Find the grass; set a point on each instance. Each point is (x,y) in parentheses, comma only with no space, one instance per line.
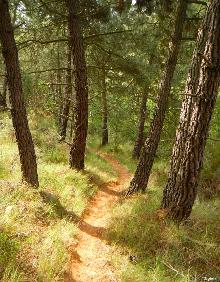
(121,152)
(148,248)
(38,226)
(162,251)
(210,184)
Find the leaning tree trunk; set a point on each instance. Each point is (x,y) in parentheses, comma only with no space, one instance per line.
(18,111)
(197,109)
(77,151)
(142,173)
(104,110)
(140,134)
(67,96)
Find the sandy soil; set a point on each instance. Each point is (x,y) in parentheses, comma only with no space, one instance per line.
(89,257)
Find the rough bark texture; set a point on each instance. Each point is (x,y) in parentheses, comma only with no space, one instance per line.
(141,177)
(3,100)
(67,96)
(140,133)
(72,121)
(197,108)
(77,151)
(18,112)
(104,110)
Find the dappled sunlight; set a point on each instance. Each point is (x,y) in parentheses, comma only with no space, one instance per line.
(109,141)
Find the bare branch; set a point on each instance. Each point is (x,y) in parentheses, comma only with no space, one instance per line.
(47,70)
(62,140)
(172,268)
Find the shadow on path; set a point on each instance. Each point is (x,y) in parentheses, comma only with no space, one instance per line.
(62,213)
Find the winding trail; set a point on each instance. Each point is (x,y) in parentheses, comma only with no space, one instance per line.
(89,257)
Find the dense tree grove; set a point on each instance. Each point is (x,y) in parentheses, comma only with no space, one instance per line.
(89,38)
(136,79)
(80,48)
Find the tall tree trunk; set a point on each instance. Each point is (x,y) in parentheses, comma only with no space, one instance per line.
(19,116)
(140,134)
(59,98)
(67,96)
(3,98)
(141,177)
(197,109)
(72,120)
(77,151)
(104,110)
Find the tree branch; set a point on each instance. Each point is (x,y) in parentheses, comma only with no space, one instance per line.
(107,33)
(66,39)
(40,42)
(51,10)
(47,70)
(197,2)
(213,139)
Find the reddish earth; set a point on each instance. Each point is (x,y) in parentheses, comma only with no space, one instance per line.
(89,258)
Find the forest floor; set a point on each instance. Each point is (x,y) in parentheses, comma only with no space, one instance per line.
(89,258)
(77,224)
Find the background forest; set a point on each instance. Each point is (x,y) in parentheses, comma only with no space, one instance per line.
(103,94)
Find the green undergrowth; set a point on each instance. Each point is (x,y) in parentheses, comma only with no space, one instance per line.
(38,226)
(148,248)
(122,152)
(210,178)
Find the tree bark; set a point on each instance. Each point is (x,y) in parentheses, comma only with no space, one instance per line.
(67,96)
(59,98)
(77,151)
(141,177)
(3,98)
(104,110)
(197,109)
(140,134)
(19,116)
(72,121)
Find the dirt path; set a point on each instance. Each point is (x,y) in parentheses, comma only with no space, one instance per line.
(89,258)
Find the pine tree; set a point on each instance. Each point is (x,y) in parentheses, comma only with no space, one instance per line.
(142,173)
(197,109)
(77,151)
(18,111)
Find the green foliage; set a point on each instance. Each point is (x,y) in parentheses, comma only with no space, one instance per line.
(8,250)
(99,170)
(4,173)
(56,239)
(56,155)
(149,249)
(37,225)
(42,224)
(210,178)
